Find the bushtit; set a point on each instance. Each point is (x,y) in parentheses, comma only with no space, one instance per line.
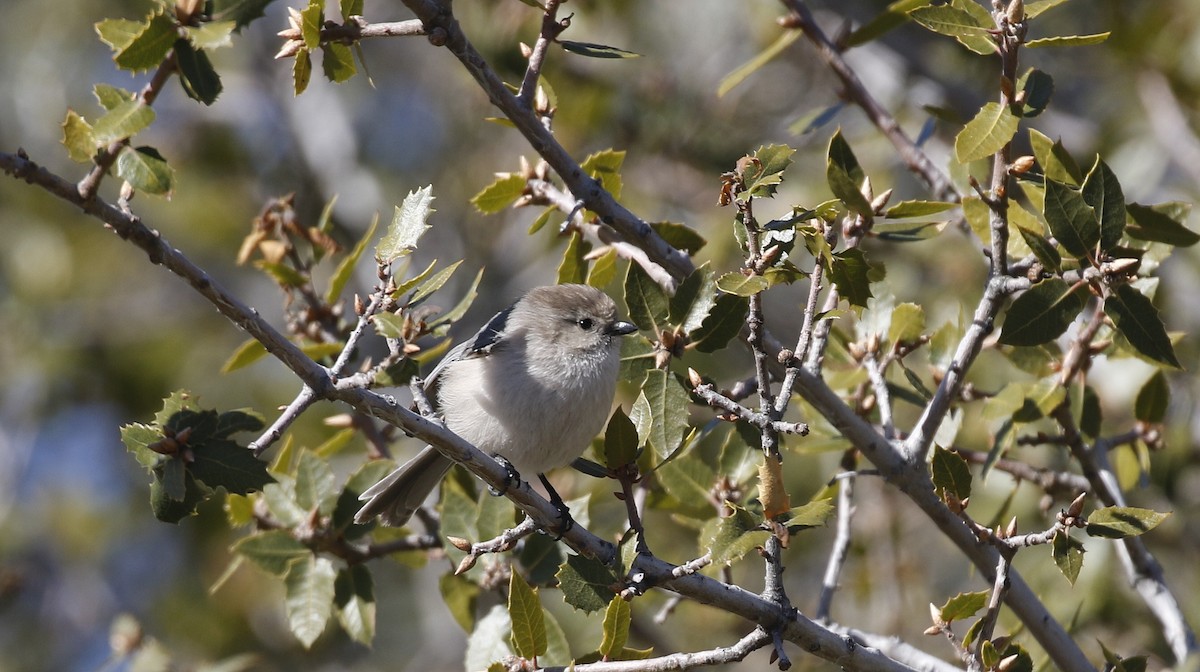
(533,387)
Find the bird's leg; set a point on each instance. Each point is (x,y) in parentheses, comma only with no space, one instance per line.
(564,514)
(511,478)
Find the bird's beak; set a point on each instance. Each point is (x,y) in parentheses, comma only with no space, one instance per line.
(621,328)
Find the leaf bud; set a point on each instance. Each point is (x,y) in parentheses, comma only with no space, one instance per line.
(459,543)
(1021,165)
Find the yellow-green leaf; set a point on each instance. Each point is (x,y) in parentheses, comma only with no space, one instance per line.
(750,67)
(991,129)
(499,194)
(1068,40)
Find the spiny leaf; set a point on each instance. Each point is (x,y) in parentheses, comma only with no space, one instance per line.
(852,274)
(951,475)
(740,284)
(693,300)
(1069,40)
(196,73)
(144,50)
(499,194)
(409,223)
(123,121)
(963,605)
(668,410)
(78,138)
(615,628)
(723,323)
(1119,522)
(731,537)
(211,35)
(648,304)
(586,583)
(991,129)
(845,177)
(573,267)
(301,72)
(337,62)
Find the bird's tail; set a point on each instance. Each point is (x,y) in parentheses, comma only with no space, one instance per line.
(400,493)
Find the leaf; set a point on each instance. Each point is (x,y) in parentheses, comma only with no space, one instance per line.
(1046,253)
(620,440)
(694,300)
(1137,319)
(345,268)
(1042,313)
(668,401)
(211,35)
(732,537)
(604,269)
(118,33)
(350,8)
(1153,399)
(1161,223)
(813,514)
(1034,8)
(301,71)
(852,274)
(1069,40)
(146,49)
(409,223)
(615,628)
(464,304)
(951,474)
(739,284)
(145,170)
(337,62)
(605,167)
(1068,555)
(1119,522)
(241,12)
(272,551)
(354,597)
(460,595)
(957,23)
(525,612)
(246,354)
(908,323)
(573,267)
(963,605)
(123,121)
(499,194)
(314,483)
(680,236)
(238,420)
(1072,221)
(722,324)
(895,15)
(991,129)
(689,481)
(111,96)
(171,510)
(432,284)
(845,177)
(225,464)
(1102,191)
(596,50)
(586,583)
(196,73)
(647,302)
(309,601)
(906,209)
(815,119)
(488,643)
(1038,88)
(1057,164)
(743,71)
(78,138)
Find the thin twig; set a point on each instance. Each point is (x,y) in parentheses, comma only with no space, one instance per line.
(757,639)
(353,30)
(551,29)
(841,543)
(719,401)
(883,399)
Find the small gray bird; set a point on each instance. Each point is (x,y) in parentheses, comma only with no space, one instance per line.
(533,387)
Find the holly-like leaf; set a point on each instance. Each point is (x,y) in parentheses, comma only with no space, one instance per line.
(272,551)
(1161,223)
(1119,522)
(314,483)
(693,300)
(144,50)
(605,167)
(123,121)
(223,463)
(908,323)
(845,177)
(238,420)
(525,613)
(648,304)
(668,400)
(680,236)
(310,593)
(852,274)
(730,538)
(1137,319)
(78,138)
(615,628)
(1043,313)
(594,50)
(1072,221)
(1069,40)
(1068,555)
(241,12)
(146,170)
(409,223)
(991,129)
(586,583)
(740,284)
(173,508)
(301,71)
(350,8)
(951,474)
(211,35)
(574,266)
(813,514)
(196,73)
(722,324)
(963,605)
(337,62)
(499,194)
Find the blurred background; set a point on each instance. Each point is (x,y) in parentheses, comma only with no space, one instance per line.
(93,337)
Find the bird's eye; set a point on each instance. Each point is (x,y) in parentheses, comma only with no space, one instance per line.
(586,323)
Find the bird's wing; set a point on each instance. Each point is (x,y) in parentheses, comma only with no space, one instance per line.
(479,345)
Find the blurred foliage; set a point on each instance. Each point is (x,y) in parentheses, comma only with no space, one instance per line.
(95,337)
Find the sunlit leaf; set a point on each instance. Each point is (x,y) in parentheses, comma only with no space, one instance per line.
(730,538)
(754,64)
(1068,555)
(123,121)
(354,596)
(991,129)
(146,170)
(78,138)
(845,177)
(409,223)
(309,602)
(1069,40)
(963,605)
(951,474)
(499,194)
(586,583)
(525,613)
(1119,522)
(1042,313)
(1102,191)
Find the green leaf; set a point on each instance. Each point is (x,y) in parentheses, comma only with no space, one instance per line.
(314,483)
(605,167)
(119,33)
(170,510)
(1034,8)
(488,643)
(196,73)
(895,15)
(78,138)
(145,170)
(723,323)
(730,538)
(620,440)
(499,194)
(991,129)
(173,476)
(455,314)
(852,274)
(958,23)
(246,354)
(748,68)
(241,12)
(596,50)
(573,267)
(668,401)
(354,596)
(434,283)
(615,628)
(1042,313)
(648,304)
(460,595)
(310,593)
(282,273)
(689,480)
(951,474)
(123,121)
(311,18)
(146,49)
(1057,164)
(1068,555)
(813,514)
(1038,88)
(908,323)
(525,612)
(272,551)
(338,62)
(694,300)
(238,420)
(1069,40)
(1162,223)
(845,176)
(301,71)
(211,35)
(1072,221)
(409,223)
(907,209)
(739,284)
(1102,191)
(138,438)
(224,463)
(345,268)
(680,236)
(604,269)
(586,583)
(1119,522)
(1137,319)
(1153,399)
(963,605)
(1046,253)
(350,8)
